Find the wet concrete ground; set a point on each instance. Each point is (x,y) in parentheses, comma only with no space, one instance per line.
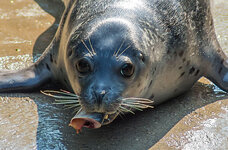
(195,120)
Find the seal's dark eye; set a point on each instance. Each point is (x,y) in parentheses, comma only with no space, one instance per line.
(83,66)
(127,70)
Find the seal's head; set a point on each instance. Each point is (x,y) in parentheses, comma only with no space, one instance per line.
(106,68)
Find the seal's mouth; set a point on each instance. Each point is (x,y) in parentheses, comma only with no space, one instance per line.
(90,120)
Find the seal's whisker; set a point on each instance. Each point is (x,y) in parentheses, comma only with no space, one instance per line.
(116,52)
(64,97)
(137,105)
(124,51)
(137,102)
(76,110)
(140,100)
(65,103)
(65,100)
(69,100)
(125,109)
(59,92)
(67,96)
(120,113)
(91,46)
(136,108)
(71,106)
(87,47)
(67,93)
(134,103)
(136,98)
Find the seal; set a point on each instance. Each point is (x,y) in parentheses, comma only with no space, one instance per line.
(118,55)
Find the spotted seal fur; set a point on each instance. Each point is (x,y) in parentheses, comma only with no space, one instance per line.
(107,51)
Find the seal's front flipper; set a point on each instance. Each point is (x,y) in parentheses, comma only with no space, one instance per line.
(32,77)
(220,75)
(216,68)
(24,80)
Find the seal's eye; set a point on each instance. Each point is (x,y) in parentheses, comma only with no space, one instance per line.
(127,70)
(84,66)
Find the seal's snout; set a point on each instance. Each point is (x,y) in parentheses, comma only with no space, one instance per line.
(99,96)
(88,120)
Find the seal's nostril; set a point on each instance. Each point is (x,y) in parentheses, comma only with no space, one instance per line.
(100,98)
(99,95)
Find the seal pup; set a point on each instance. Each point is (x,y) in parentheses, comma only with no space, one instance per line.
(116,55)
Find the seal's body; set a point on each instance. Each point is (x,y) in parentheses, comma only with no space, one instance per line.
(107,51)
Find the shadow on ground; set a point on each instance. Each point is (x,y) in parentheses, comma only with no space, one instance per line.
(139,131)
(54,8)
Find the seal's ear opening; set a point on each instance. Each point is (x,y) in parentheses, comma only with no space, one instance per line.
(87,120)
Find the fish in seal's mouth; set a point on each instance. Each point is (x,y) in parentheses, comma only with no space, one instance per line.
(90,120)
